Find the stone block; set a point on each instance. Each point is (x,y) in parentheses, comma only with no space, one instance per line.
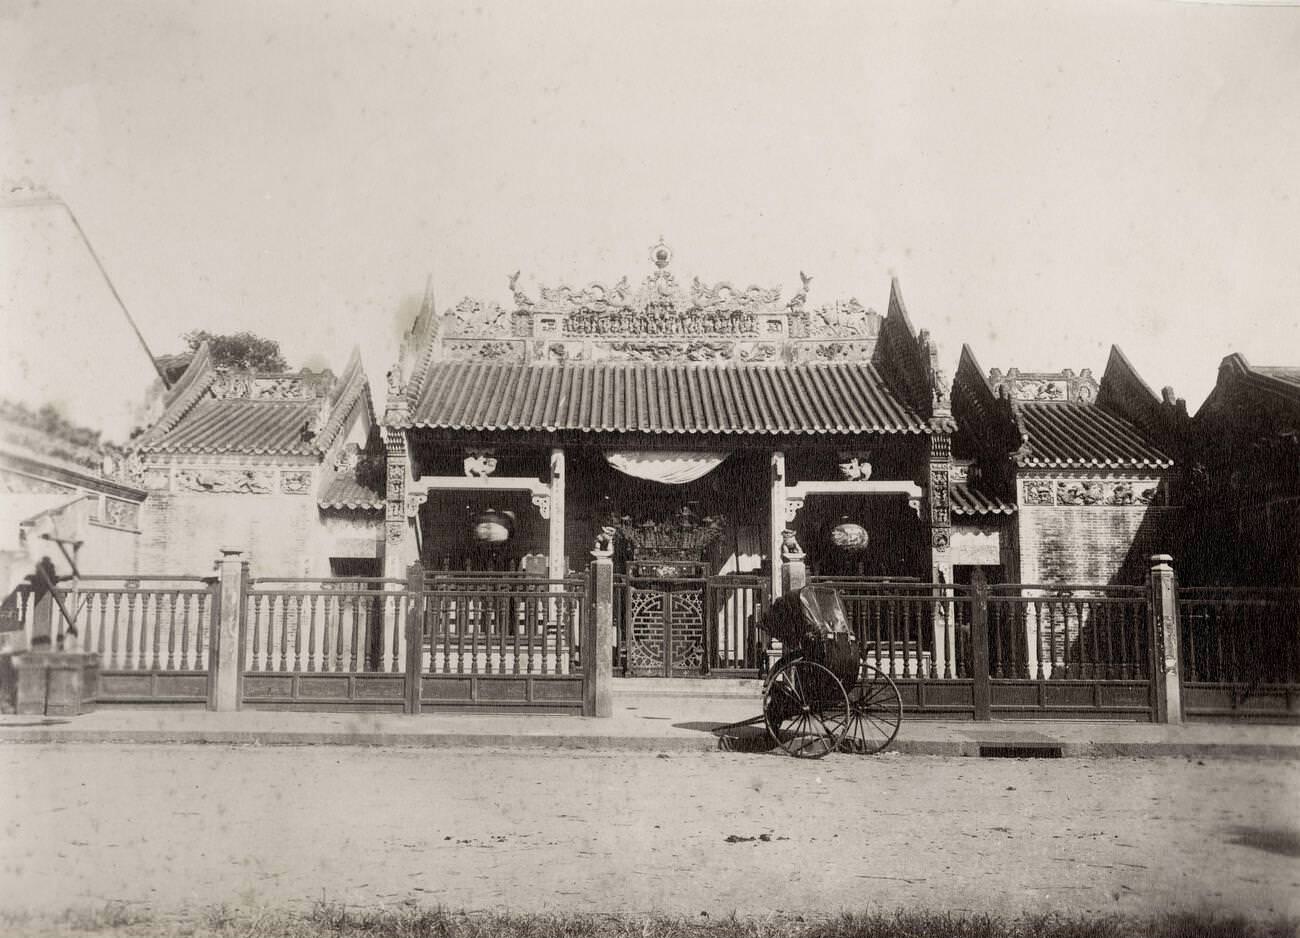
(56,683)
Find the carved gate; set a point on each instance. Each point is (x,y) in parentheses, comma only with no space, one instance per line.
(665,618)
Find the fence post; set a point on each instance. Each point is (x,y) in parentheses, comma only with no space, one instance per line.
(225,650)
(981,690)
(414,635)
(1163,640)
(597,639)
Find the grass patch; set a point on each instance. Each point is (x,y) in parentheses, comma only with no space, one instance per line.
(333,920)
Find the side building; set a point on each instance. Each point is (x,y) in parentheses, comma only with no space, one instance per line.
(1078,480)
(1244,478)
(61,480)
(285,467)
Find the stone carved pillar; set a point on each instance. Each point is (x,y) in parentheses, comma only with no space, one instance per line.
(397,529)
(399,540)
(938,498)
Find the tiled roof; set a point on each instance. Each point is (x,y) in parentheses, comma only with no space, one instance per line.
(969,500)
(1078,435)
(242,426)
(343,491)
(198,421)
(662,398)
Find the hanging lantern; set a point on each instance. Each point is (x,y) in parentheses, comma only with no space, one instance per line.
(849,537)
(492,526)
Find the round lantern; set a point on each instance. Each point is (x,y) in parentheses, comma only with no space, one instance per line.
(849,537)
(492,526)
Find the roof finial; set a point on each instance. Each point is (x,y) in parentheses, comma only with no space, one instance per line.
(661,254)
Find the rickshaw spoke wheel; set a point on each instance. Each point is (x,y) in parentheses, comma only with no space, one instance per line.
(875,713)
(806,709)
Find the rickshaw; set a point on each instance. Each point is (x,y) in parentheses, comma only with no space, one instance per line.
(822,695)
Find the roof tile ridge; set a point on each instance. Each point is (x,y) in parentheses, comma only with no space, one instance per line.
(352,387)
(188,391)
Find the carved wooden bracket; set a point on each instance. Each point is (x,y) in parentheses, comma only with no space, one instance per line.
(543,504)
(539,491)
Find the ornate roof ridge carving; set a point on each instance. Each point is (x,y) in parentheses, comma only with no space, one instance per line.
(662,319)
(1064,386)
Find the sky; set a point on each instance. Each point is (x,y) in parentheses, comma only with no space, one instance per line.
(1044,179)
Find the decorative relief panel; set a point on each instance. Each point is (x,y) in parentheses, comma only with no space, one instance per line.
(756,353)
(396,530)
(295,483)
(842,320)
(481,351)
(833,351)
(1090,492)
(673,351)
(225,481)
(228,385)
(121,514)
(474,319)
(1037,492)
(661,323)
(558,351)
(939,496)
(1046,386)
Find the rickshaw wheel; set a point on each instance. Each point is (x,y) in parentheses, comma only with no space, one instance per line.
(806,709)
(875,713)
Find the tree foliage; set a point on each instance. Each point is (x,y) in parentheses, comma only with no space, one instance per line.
(242,351)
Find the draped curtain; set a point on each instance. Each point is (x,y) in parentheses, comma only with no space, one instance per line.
(670,467)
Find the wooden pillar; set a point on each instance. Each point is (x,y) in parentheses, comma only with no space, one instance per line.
(981,689)
(556,565)
(776,520)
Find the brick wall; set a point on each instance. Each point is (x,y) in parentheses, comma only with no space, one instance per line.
(1094,544)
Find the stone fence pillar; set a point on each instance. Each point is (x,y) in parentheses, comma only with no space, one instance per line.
(225,650)
(1164,645)
(598,639)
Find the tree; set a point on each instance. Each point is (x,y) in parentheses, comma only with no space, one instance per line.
(242,351)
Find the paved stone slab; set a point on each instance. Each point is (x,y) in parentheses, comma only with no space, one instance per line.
(659,723)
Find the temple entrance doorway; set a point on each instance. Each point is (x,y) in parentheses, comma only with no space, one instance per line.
(689,558)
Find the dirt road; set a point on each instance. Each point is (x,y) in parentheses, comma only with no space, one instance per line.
(171,827)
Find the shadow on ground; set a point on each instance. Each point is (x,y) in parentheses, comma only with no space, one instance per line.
(1279,840)
(733,738)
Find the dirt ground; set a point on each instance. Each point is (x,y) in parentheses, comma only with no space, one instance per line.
(171,827)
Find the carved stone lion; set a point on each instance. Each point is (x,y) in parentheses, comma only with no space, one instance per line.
(480,465)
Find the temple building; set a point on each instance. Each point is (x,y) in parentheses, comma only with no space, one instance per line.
(699,421)
(1084,473)
(266,463)
(701,430)
(1244,478)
